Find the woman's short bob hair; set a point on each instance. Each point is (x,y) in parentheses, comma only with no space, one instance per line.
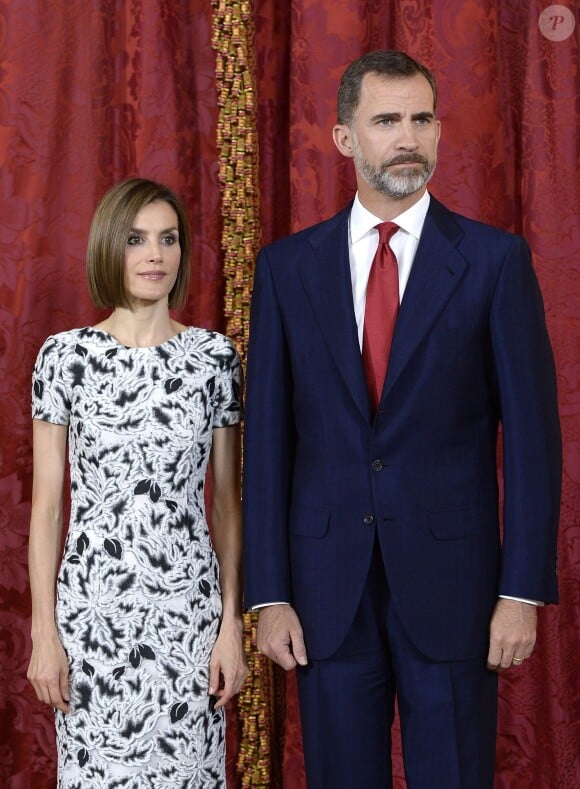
(110,231)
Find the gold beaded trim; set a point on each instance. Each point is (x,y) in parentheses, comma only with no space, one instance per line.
(237,142)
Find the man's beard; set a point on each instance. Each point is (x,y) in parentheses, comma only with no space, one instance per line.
(401,183)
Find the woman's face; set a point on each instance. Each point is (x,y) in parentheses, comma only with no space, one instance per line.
(153,254)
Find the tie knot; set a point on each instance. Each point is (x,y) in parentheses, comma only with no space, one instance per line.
(386,231)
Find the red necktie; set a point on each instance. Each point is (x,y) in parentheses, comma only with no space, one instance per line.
(382,306)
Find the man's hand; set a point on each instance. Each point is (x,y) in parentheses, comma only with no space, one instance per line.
(512,633)
(280,636)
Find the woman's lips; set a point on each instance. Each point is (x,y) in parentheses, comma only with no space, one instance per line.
(153,275)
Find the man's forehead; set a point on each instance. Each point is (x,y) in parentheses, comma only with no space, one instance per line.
(374,82)
(380,93)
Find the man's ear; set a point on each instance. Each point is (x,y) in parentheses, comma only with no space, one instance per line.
(342,136)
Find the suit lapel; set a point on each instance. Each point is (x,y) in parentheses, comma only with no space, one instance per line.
(437,270)
(327,282)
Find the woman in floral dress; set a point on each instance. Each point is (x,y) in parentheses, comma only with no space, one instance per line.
(139,648)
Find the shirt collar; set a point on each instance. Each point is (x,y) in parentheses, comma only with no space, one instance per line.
(411,220)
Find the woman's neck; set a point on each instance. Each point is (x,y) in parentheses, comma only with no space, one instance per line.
(140,327)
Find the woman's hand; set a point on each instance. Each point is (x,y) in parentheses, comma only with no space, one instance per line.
(48,672)
(228,666)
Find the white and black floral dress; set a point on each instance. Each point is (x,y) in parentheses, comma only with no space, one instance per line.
(138,597)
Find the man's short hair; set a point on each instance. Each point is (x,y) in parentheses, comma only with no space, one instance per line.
(110,229)
(388,63)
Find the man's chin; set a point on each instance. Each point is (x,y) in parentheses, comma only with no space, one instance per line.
(398,191)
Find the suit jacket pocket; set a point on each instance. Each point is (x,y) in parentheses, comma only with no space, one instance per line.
(309,522)
(459,523)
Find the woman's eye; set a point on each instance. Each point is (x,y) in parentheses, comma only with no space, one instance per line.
(133,240)
(170,240)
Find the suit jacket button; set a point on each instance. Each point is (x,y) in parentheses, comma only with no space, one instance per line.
(377,465)
(368,519)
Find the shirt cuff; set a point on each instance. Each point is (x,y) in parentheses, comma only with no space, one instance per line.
(265,605)
(521,600)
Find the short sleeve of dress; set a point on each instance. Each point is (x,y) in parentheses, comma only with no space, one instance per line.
(50,397)
(227,396)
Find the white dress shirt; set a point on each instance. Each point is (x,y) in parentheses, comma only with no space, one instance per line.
(363,243)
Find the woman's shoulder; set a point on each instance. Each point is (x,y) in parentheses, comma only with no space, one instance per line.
(208,338)
(211,344)
(64,340)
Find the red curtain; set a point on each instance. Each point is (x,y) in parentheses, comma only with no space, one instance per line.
(92,91)
(508,102)
(95,90)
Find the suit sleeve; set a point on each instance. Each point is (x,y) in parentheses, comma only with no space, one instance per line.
(532,454)
(269,440)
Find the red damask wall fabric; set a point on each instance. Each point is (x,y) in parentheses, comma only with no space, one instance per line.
(91,91)
(97,90)
(508,102)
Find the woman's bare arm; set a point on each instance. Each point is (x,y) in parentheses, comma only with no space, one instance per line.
(48,668)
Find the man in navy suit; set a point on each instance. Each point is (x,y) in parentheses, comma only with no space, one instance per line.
(372,540)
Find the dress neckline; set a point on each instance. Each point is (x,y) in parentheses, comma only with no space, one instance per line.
(114,340)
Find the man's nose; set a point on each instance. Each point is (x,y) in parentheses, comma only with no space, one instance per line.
(407,137)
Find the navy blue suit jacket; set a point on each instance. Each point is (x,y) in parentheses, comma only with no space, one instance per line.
(321,476)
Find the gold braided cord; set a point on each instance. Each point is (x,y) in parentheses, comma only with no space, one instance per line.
(237,141)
